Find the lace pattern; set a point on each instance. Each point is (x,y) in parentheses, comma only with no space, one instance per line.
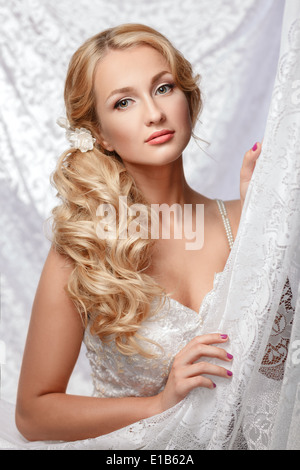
(277,349)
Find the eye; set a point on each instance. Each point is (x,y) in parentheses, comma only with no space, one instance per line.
(122,104)
(163,89)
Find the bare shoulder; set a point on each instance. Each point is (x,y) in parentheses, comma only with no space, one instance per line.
(52,303)
(51,295)
(59,263)
(233,208)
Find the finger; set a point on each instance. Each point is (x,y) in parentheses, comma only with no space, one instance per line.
(193,378)
(212,338)
(196,382)
(199,351)
(249,162)
(206,368)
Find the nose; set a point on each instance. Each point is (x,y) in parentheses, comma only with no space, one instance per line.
(153,112)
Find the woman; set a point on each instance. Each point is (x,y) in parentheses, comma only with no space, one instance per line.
(132,103)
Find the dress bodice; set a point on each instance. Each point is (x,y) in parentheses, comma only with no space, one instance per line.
(117,375)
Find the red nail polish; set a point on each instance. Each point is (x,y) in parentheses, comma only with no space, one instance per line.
(229,373)
(254,147)
(224,336)
(229,356)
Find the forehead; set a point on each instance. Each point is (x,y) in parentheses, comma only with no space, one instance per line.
(128,67)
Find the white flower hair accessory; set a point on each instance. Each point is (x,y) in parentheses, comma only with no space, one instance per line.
(81,139)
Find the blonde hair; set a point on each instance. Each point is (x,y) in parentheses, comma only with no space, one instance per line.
(107,284)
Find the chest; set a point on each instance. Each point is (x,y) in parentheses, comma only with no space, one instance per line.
(187,275)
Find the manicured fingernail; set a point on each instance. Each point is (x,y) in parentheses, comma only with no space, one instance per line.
(229,373)
(214,385)
(224,336)
(229,356)
(254,147)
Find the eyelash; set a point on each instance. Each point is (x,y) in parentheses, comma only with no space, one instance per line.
(169,85)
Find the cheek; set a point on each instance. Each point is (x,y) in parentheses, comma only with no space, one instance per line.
(122,137)
(183,113)
(113,133)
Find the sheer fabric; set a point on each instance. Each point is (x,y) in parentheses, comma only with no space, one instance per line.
(256,301)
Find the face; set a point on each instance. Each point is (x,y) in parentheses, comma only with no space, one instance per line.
(143,115)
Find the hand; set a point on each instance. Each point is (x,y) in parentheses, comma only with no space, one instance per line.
(186,374)
(247,169)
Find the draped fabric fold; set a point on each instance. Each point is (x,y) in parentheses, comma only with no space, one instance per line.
(256,302)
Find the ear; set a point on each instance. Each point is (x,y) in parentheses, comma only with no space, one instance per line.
(106,145)
(103,142)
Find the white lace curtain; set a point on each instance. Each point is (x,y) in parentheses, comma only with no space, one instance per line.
(258,300)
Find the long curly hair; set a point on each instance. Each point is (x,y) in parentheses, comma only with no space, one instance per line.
(108,284)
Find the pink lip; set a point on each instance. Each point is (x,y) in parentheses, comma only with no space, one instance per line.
(160,137)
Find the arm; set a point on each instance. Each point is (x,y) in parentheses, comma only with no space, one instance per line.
(44,411)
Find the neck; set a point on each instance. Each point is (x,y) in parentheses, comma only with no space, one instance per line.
(164,184)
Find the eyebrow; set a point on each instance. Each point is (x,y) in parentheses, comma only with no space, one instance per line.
(130,89)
